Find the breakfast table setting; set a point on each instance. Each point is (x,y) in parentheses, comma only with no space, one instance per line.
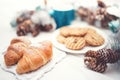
(67,63)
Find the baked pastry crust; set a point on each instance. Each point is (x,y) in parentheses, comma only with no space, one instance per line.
(27,57)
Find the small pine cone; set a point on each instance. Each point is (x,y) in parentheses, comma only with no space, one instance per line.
(114,57)
(94,65)
(90,62)
(47,27)
(91,53)
(21,30)
(103,55)
(101,4)
(100,67)
(20,20)
(21,33)
(35,30)
(27,24)
(108,55)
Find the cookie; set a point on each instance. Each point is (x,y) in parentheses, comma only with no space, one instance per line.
(73,31)
(78,31)
(94,39)
(91,30)
(75,43)
(65,31)
(61,39)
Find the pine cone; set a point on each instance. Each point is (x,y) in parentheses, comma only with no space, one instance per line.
(114,57)
(108,55)
(104,55)
(20,20)
(94,65)
(24,28)
(21,30)
(101,4)
(97,60)
(90,62)
(100,67)
(35,30)
(93,54)
(47,27)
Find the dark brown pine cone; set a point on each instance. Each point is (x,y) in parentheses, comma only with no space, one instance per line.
(111,56)
(104,17)
(114,57)
(21,30)
(47,27)
(97,60)
(100,67)
(103,55)
(20,20)
(27,24)
(90,62)
(24,28)
(100,13)
(35,30)
(101,4)
(108,55)
(92,53)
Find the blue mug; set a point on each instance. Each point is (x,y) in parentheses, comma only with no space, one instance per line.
(63,14)
(63,17)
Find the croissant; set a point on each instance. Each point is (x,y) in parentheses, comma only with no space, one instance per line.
(20,39)
(14,51)
(34,57)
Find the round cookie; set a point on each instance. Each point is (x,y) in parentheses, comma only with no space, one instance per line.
(75,43)
(65,31)
(73,31)
(60,39)
(94,39)
(78,31)
(91,30)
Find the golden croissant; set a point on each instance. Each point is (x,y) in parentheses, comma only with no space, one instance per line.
(34,57)
(14,51)
(28,56)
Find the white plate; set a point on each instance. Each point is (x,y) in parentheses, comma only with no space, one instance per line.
(85,49)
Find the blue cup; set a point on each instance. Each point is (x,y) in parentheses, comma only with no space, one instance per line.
(63,16)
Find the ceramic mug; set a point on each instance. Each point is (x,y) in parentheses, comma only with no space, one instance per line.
(63,15)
